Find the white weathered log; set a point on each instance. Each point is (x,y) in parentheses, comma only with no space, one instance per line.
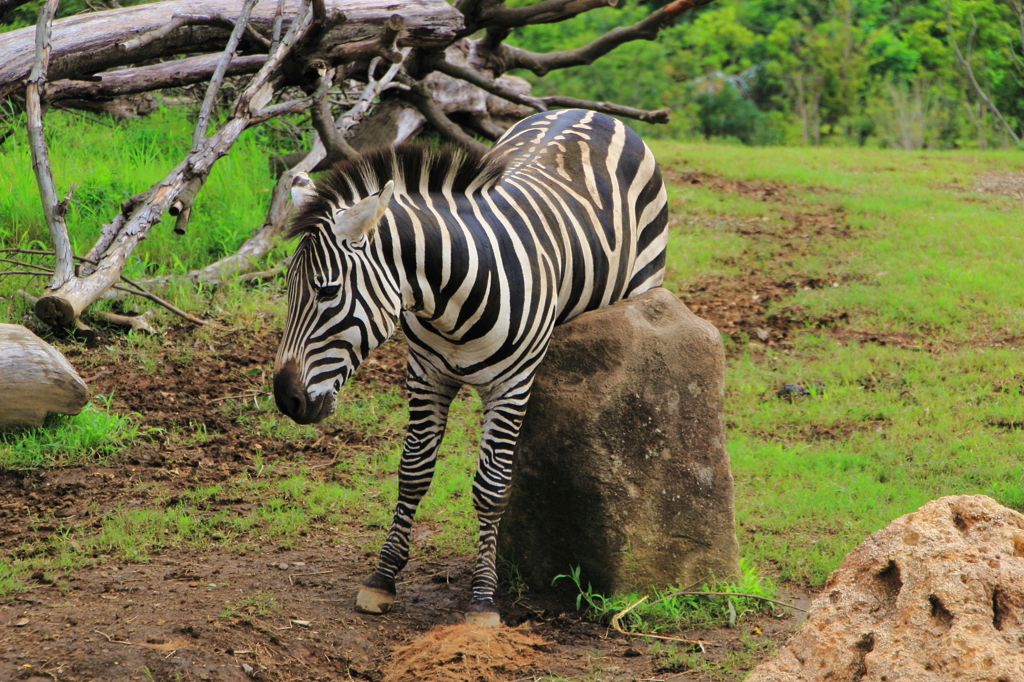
(89,43)
(35,379)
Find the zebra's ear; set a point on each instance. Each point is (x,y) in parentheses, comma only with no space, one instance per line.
(303,189)
(362,218)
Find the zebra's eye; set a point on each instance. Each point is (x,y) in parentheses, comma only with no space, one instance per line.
(328,291)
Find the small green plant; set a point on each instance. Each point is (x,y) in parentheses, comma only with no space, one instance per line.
(511,579)
(714,603)
(93,435)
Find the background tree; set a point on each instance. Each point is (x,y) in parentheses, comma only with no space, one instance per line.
(422,66)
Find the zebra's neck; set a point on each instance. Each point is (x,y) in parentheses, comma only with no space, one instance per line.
(431,246)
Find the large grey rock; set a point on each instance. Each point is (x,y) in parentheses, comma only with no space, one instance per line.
(621,467)
(937,595)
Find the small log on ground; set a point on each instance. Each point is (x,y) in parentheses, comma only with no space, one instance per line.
(35,379)
(621,466)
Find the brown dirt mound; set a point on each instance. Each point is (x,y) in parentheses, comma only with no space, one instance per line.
(466,653)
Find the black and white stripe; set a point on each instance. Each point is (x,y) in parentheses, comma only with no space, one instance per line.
(479,258)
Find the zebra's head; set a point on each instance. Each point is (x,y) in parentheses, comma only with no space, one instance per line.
(340,306)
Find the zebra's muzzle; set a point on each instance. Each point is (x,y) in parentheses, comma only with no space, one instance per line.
(294,400)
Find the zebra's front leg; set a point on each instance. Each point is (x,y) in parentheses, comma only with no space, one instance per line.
(428,414)
(503,419)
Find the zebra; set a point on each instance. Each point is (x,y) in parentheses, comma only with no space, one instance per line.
(480,257)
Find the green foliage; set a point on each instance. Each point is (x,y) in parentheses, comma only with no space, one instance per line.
(727,113)
(92,436)
(827,71)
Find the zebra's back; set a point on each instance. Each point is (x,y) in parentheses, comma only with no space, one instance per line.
(575,221)
(611,229)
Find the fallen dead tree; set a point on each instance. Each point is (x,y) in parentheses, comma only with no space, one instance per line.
(418,70)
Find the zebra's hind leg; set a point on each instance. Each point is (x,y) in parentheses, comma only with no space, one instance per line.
(503,419)
(428,414)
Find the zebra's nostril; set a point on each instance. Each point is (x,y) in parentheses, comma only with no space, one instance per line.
(289,393)
(296,404)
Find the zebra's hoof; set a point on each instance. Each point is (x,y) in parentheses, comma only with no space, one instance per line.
(372,600)
(483,615)
(376,596)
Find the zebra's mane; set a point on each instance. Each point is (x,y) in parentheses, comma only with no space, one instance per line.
(448,168)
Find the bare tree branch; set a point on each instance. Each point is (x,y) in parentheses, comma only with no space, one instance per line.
(389,38)
(439,63)
(319,13)
(87,44)
(420,96)
(52,209)
(181,208)
(385,45)
(275,38)
(372,90)
(135,288)
(645,29)
(295,106)
(965,62)
(269,233)
(539,13)
(109,233)
(542,103)
(218,75)
(172,74)
(656,116)
(146,38)
(62,306)
(138,323)
(323,122)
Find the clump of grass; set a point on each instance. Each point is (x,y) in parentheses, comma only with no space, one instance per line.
(678,608)
(254,605)
(92,436)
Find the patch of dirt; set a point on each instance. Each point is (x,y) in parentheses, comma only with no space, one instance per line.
(759,191)
(1004,184)
(178,394)
(288,615)
(839,430)
(746,307)
(742,307)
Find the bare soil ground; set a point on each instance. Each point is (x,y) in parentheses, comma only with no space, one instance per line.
(167,619)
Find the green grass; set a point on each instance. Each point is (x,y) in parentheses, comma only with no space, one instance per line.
(92,436)
(929,258)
